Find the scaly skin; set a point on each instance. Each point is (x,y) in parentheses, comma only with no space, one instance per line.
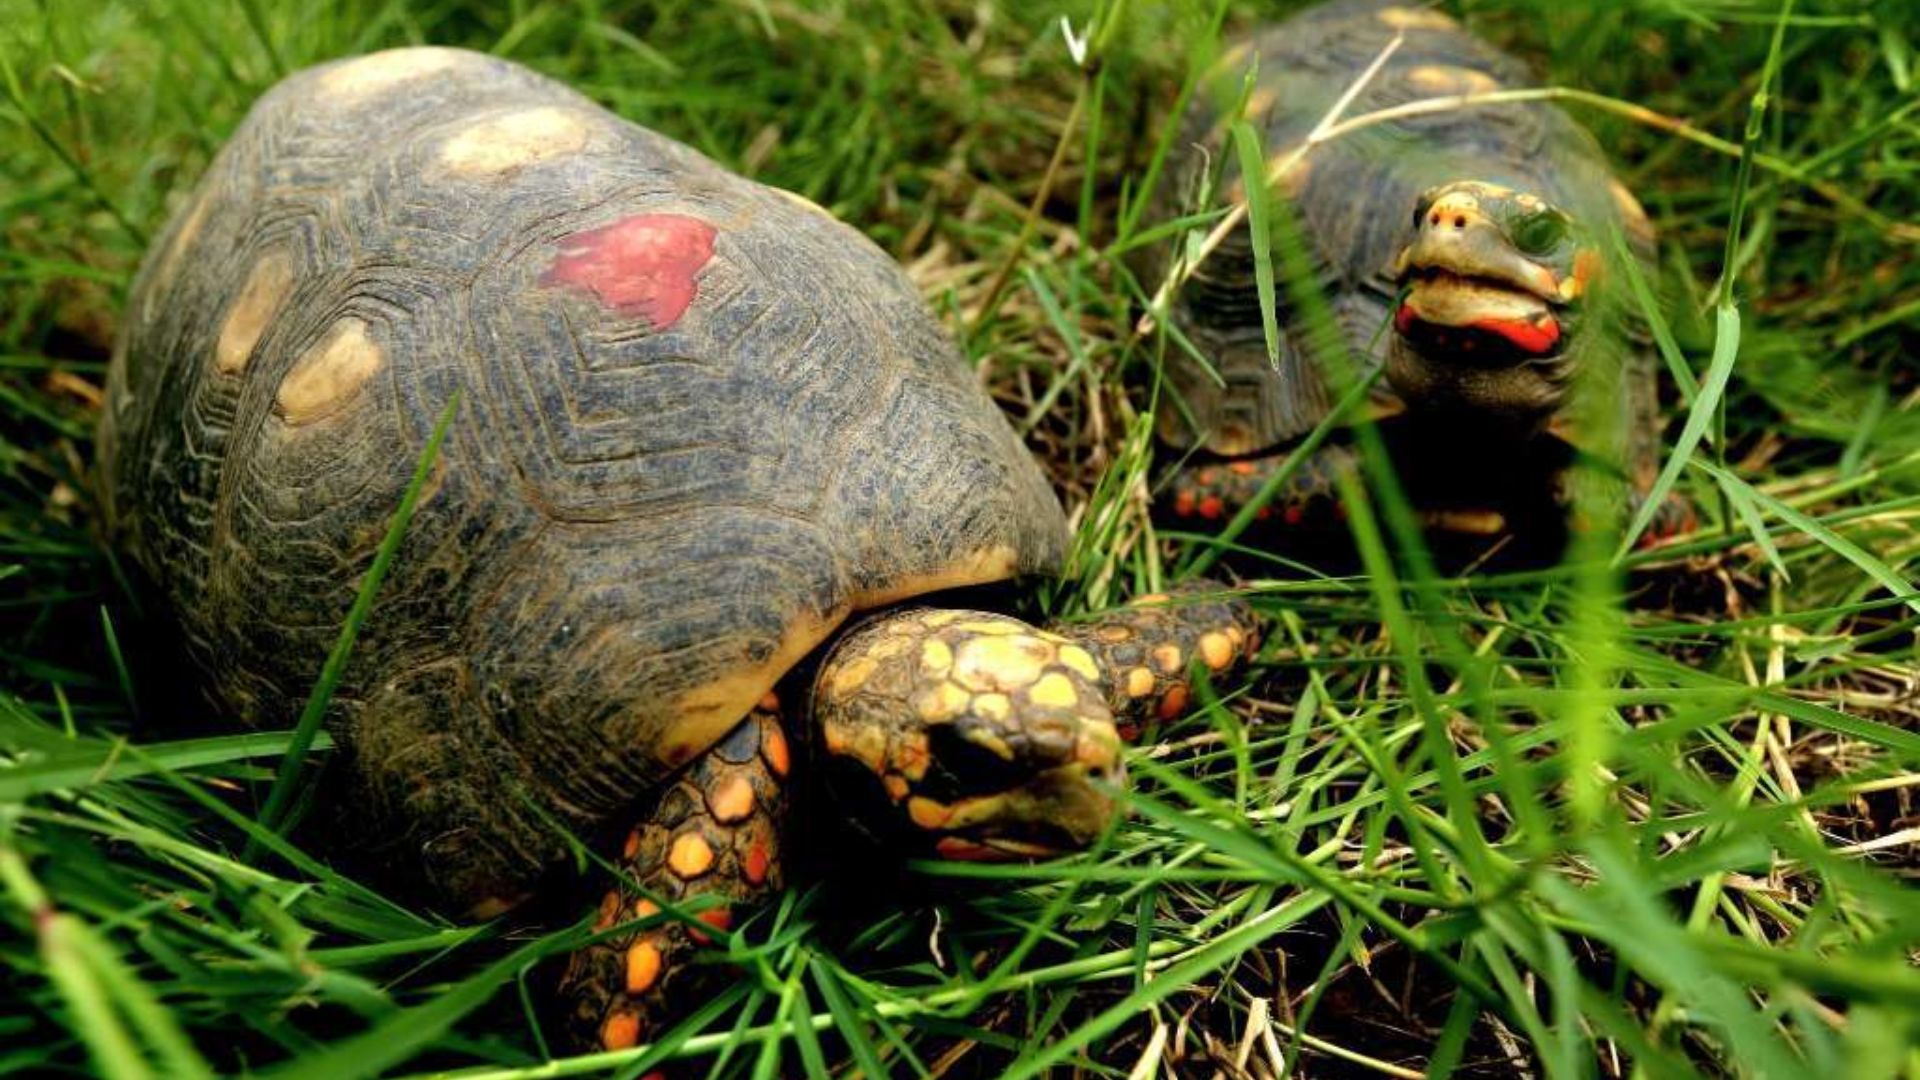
(969,734)
(713,834)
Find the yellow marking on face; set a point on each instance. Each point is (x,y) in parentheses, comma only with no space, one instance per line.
(835,737)
(940,703)
(1216,648)
(643,966)
(1054,690)
(690,856)
(999,663)
(621,1031)
(1080,660)
(1447,79)
(911,756)
(515,140)
(995,707)
(1586,267)
(851,676)
(366,76)
(1413,18)
(1168,659)
(1455,205)
(328,376)
(247,320)
(926,813)
(935,658)
(1139,682)
(889,647)
(731,799)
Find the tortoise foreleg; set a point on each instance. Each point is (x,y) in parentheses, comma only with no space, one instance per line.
(1215,491)
(1147,650)
(712,836)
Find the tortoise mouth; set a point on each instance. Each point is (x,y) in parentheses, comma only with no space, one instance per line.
(1482,320)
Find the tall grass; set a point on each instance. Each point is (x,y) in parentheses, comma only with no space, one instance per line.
(1650,815)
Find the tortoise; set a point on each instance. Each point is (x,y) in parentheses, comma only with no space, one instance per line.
(707,439)
(1464,250)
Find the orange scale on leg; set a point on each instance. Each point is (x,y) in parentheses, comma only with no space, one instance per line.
(719,918)
(773,747)
(1211,507)
(621,1031)
(1183,503)
(1173,704)
(757,863)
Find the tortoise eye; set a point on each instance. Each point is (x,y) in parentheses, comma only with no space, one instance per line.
(1540,232)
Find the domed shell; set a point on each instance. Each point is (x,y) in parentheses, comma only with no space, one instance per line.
(700,422)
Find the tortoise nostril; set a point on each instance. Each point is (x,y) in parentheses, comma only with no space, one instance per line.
(1460,222)
(1435,219)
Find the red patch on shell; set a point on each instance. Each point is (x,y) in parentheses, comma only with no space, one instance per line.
(642,265)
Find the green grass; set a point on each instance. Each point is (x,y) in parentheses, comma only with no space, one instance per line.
(1653,817)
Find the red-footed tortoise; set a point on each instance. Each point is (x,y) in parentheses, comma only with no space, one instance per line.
(701,425)
(1465,249)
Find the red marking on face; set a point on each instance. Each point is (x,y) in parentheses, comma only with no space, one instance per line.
(1403,318)
(642,266)
(1211,507)
(1534,337)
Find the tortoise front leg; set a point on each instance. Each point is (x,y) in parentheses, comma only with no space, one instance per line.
(1147,650)
(1213,492)
(712,835)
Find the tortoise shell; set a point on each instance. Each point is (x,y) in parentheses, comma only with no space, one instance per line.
(1351,197)
(700,422)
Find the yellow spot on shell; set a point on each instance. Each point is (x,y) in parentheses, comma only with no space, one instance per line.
(645,909)
(1438,79)
(1054,690)
(889,647)
(1216,649)
(941,618)
(1139,682)
(367,76)
(328,376)
(690,856)
(1081,661)
(1412,18)
(939,703)
(935,658)
(1167,658)
(1000,663)
(247,320)
(995,707)
(515,140)
(982,626)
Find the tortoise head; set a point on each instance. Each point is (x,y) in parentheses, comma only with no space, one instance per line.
(1492,290)
(970,734)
